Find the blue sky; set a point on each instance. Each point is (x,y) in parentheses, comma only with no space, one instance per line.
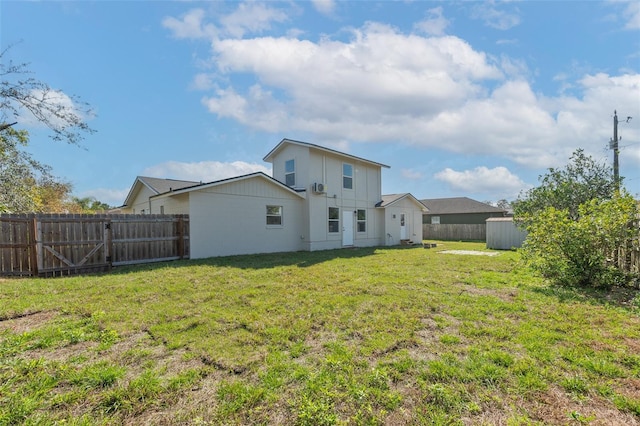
(465,98)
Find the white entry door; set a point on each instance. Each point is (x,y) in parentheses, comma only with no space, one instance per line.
(347,228)
(403,226)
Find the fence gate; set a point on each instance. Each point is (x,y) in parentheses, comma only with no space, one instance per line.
(62,244)
(66,244)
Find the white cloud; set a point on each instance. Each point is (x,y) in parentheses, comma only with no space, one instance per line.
(52,105)
(483,180)
(632,16)
(251,17)
(206,171)
(326,7)
(203,81)
(369,88)
(382,85)
(112,197)
(494,17)
(411,174)
(190,25)
(434,24)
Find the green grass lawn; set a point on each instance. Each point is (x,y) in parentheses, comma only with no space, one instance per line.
(356,336)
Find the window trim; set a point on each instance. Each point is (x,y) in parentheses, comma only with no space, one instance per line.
(435,220)
(272,215)
(345,176)
(331,220)
(288,173)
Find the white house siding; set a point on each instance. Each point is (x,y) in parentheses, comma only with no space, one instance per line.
(140,202)
(413,221)
(301,156)
(230,219)
(170,204)
(326,168)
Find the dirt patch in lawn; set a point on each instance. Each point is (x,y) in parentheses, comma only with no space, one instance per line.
(24,323)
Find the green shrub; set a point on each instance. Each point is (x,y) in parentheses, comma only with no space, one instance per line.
(580,252)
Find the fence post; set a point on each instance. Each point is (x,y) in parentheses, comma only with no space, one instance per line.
(108,242)
(38,241)
(180,232)
(33,251)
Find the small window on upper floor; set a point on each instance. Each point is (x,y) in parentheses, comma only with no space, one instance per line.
(290,172)
(347,176)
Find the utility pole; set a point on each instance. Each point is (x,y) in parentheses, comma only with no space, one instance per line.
(613,144)
(616,151)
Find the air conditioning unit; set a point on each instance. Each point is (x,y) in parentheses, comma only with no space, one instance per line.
(319,188)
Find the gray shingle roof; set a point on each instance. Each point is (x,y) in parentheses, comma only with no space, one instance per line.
(160,186)
(458,205)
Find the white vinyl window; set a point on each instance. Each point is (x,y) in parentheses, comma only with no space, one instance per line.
(435,220)
(334,219)
(290,173)
(362,220)
(274,215)
(347,176)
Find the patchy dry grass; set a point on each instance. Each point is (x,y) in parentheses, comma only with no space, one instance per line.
(365,336)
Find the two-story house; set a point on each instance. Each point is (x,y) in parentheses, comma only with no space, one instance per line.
(317,199)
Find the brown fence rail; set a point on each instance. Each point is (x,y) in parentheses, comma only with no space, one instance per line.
(60,244)
(454,232)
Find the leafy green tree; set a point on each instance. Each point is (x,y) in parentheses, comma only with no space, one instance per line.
(19,174)
(576,221)
(88,205)
(582,251)
(581,181)
(27,185)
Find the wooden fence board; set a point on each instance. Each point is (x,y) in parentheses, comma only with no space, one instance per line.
(454,232)
(15,246)
(47,244)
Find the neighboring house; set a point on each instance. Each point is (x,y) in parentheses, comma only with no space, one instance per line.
(317,199)
(459,210)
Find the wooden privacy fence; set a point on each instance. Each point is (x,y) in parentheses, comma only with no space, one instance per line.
(59,244)
(454,232)
(627,258)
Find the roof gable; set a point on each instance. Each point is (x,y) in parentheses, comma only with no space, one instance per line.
(458,205)
(256,175)
(155,185)
(390,199)
(269,157)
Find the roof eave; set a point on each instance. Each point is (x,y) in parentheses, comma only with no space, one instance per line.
(269,157)
(229,180)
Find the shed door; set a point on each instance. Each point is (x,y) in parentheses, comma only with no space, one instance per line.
(347,227)
(403,226)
